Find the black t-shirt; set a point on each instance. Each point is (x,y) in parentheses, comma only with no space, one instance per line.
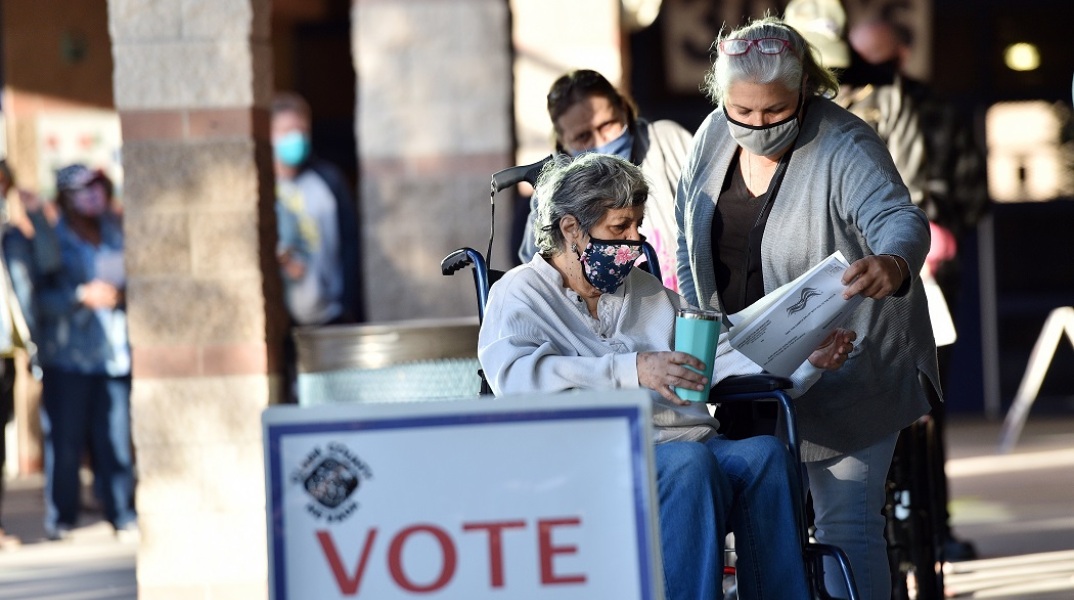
(737,228)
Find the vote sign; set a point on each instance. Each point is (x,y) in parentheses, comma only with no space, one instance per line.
(548,496)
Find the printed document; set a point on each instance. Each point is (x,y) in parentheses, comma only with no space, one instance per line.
(781,330)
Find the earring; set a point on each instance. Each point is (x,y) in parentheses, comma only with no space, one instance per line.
(574,247)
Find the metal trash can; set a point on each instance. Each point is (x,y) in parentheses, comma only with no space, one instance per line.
(388,362)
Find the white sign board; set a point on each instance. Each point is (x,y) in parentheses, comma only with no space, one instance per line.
(531,497)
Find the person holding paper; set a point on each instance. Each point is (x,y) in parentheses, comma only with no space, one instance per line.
(579,316)
(778,179)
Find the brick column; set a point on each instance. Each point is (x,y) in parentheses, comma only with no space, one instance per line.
(550,38)
(192,84)
(433,124)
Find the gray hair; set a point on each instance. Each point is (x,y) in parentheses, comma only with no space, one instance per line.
(786,68)
(584,187)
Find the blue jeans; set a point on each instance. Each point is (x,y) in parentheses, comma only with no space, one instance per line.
(709,488)
(848,501)
(80,410)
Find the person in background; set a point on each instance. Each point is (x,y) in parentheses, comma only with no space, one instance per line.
(590,115)
(956,193)
(956,199)
(317,230)
(579,316)
(85,358)
(780,177)
(14,329)
(876,95)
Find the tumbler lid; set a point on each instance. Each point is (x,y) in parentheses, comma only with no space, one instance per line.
(700,313)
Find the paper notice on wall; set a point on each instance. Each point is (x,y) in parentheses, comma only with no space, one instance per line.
(781,330)
(91,137)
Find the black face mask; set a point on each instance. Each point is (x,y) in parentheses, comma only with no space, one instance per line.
(861,73)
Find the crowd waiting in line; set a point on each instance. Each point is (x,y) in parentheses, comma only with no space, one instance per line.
(64,304)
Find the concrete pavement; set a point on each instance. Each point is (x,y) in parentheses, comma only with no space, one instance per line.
(1018,509)
(92,565)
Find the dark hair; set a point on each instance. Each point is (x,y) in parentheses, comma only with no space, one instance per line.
(584,187)
(889,15)
(5,173)
(575,86)
(903,34)
(290,102)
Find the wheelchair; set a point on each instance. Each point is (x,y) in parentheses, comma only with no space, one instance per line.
(915,518)
(752,389)
(913,510)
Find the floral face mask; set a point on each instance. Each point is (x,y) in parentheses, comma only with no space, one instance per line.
(606,263)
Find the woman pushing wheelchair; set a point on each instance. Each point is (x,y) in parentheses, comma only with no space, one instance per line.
(579,316)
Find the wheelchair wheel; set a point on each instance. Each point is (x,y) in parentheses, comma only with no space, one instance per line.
(730,579)
(730,586)
(913,532)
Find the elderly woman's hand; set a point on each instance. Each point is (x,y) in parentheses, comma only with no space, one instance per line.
(874,277)
(832,353)
(661,371)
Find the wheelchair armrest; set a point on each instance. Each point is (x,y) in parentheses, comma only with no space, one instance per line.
(748,384)
(764,386)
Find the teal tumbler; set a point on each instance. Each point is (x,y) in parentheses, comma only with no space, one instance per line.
(696,333)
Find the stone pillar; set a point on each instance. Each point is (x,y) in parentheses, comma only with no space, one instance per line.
(550,38)
(433,124)
(192,85)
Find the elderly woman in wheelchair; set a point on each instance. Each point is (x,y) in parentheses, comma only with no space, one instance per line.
(579,316)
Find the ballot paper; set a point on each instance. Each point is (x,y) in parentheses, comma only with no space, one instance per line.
(781,330)
(108,266)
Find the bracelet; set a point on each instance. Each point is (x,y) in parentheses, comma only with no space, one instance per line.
(898,266)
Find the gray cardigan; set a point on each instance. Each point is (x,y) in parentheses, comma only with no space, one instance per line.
(842,192)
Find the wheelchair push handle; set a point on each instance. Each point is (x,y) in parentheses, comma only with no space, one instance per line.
(510,176)
(457,260)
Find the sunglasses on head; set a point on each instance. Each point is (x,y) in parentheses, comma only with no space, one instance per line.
(737,46)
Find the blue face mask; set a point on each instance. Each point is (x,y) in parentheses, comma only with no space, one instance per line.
(606,263)
(620,146)
(292,148)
